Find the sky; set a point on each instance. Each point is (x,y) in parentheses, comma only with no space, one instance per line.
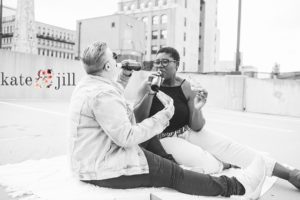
(270,30)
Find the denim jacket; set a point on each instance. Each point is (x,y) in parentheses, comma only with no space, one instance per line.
(104,135)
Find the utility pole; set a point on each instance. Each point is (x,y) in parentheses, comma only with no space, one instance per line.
(1,8)
(238,54)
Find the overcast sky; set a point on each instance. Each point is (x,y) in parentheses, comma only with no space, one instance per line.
(270,28)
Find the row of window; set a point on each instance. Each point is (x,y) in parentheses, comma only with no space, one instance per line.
(55,33)
(6,48)
(55,44)
(7,29)
(6,40)
(155,48)
(57,54)
(163,19)
(163,34)
(143,5)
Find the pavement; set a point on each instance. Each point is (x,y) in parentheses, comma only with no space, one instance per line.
(34,129)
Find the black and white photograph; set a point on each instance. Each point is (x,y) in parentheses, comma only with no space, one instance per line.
(149,100)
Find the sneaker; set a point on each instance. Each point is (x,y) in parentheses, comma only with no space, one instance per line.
(252,178)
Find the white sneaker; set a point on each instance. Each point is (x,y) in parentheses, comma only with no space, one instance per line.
(252,178)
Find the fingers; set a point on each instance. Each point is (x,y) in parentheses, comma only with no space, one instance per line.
(200,92)
(152,75)
(165,99)
(167,102)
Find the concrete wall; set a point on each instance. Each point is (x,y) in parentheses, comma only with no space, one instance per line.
(274,96)
(14,64)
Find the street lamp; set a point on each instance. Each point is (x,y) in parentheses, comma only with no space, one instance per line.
(238,54)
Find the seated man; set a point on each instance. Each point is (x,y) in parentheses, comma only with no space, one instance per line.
(105,138)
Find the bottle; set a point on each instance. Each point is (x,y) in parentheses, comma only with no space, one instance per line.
(155,83)
(131,65)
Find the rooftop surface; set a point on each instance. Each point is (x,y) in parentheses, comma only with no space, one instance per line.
(38,129)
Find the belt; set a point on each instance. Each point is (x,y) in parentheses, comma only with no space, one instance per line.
(175,133)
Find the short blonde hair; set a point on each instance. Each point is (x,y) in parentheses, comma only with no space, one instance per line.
(93,57)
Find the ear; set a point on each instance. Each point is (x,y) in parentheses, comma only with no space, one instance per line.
(177,65)
(107,67)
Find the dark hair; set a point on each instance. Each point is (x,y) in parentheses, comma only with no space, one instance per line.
(171,51)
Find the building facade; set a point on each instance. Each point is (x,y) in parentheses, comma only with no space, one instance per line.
(123,34)
(51,40)
(180,24)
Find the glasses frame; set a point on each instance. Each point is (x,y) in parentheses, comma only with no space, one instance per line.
(158,62)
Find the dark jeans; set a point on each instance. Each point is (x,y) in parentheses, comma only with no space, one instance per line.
(165,173)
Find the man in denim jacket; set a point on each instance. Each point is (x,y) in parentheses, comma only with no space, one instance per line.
(105,138)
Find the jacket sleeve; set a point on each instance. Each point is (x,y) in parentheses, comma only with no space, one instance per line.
(113,116)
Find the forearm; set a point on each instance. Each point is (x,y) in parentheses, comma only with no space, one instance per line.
(142,108)
(197,121)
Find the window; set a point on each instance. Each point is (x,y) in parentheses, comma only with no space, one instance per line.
(185,3)
(156,3)
(145,20)
(183,51)
(154,35)
(184,36)
(164,19)
(113,24)
(155,20)
(142,5)
(160,2)
(183,66)
(154,49)
(185,21)
(132,7)
(149,4)
(163,34)
(162,46)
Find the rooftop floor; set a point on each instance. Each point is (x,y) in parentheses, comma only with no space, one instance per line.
(38,129)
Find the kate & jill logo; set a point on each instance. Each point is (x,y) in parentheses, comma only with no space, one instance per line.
(44,79)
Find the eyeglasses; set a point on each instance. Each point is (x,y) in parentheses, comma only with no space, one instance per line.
(163,62)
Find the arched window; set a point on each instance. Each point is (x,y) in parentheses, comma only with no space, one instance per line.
(164,19)
(155,20)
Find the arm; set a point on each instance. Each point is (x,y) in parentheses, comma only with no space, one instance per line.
(196,119)
(112,114)
(143,106)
